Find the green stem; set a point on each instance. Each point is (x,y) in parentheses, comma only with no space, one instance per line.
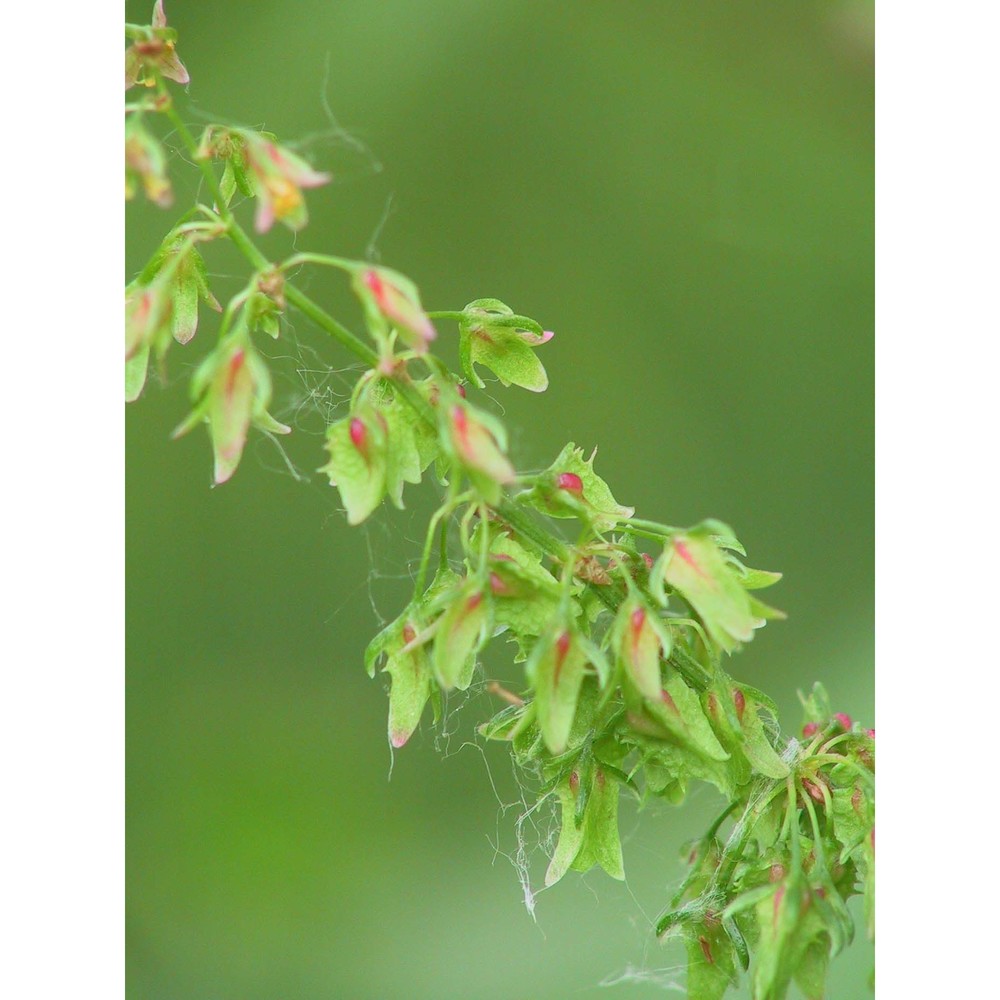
(446,314)
(323,259)
(658,530)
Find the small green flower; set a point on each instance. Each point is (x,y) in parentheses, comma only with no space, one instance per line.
(493,336)
(154,54)
(146,164)
(391,298)
(477,442)
(279,177)
(232,389)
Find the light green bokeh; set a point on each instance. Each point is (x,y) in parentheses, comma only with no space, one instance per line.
(683,192)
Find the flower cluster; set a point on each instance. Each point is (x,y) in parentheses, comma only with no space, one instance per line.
(623,628)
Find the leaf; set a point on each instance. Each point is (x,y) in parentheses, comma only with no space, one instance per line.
(570,835)
(408,695)
(678,710)
(639,647)
(590,839)
(461,632)
(758,748)
(810,976)
(489,335)
(477,442)
(135,373)
(693,565)
(711,968)
(556,670)
(817,706)
(357,465)
(583,493)
(788,925)
(402,454)
(601,842)
(507,356)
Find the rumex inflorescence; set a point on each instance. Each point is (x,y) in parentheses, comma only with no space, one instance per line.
(623,649)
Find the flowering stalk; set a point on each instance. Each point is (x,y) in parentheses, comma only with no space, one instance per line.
(625,689)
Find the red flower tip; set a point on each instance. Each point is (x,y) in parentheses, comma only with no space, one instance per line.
(570,482)
(740,701)
(638,619)
(810,729)
(562,646)
(844,719)
(358,433)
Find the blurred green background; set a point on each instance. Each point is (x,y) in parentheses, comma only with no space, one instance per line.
(683,192)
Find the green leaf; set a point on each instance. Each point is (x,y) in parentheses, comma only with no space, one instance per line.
(477,442)
(758,748)
(590,499)
(526,595)
(678,710)
(135,373)
(357,465)
(810,976)
(639,647)
(853,818)
(402,454)
(461,632)
(591,838)
(758,579)
(227,185)
(694,566)
(410,672)
(570,835)
(426,438)
(711,968)
(816,707)
(556,670)
(788,925)
(491,335)
(506,355)
(601,842)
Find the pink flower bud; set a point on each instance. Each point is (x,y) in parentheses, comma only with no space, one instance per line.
(359,435)
(562,648)
(535,339)
(477,449)
(396,299)
(813,789)
(845,720)
(648,560)
(739,700)
(638,620)
(870,733)
(570,482)
(810,729)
